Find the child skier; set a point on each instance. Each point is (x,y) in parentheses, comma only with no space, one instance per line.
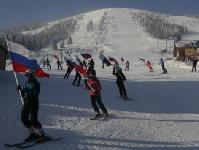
(29,113)
(149,65)
(94,86)
(117,71)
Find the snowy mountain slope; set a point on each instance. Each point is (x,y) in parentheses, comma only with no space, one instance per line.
(159,117)
(114,28)
(163,114)
(191,23)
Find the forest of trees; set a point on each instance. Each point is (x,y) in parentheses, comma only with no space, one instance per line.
(48,36)
(158,26)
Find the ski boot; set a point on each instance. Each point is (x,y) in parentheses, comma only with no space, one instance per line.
(41,136)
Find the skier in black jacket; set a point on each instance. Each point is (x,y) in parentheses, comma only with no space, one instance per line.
(29,112)
(119,81)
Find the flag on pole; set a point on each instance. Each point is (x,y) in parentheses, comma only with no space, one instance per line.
(70,63)
(86,56)
(22,62)
(104,59)
(81,70)
(107,62)
(112,59)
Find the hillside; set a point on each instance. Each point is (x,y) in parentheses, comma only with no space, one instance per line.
(98,28)
(163,112)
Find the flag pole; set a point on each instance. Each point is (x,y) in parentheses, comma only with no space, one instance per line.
(16,79)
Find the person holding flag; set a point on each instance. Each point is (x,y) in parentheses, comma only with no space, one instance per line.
(94,86)
(29,113)
(71,65)
(117,71)
(59,64)
(104,60)
(78,75)
(91,64)
(30,91)
(148,64)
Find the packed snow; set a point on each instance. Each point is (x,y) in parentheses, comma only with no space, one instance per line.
(162,115)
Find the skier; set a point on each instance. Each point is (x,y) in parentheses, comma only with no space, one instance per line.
(94,86)
(117,71)
(44,63)
(194,65)
(29,113)
(59,64)
(162,64)
(91,64)
(71,66)
(122,59)
(127,66)
(48,64)
(149,65)
(84,64)
(103,62)
(77,76)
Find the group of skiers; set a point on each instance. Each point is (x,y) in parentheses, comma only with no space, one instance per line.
(46,63)
(149,65)
(31,90)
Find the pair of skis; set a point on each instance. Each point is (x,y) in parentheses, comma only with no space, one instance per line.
(28,144)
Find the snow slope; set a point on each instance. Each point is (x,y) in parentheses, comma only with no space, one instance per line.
(163,114)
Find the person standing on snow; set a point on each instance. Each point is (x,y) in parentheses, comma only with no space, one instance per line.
(194,65)
(94,86)
(127,66)
(29,112)
(91,64)
(149,65)
(59,64)
(48,64)
(117,71)
(44,63)
(162,64)
(84,64)
(71,66)
(78,76)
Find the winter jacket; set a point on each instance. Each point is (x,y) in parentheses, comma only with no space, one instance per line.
(31,90)
(161,62)
(119,75)
(94,86)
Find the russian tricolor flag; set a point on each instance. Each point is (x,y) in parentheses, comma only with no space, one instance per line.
(21,62)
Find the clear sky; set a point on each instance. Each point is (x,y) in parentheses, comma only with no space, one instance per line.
(19,12)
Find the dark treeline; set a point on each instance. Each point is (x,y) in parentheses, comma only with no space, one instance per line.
(50,35)
(158,26)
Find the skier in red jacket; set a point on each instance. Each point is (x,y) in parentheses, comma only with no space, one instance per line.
(94,86)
